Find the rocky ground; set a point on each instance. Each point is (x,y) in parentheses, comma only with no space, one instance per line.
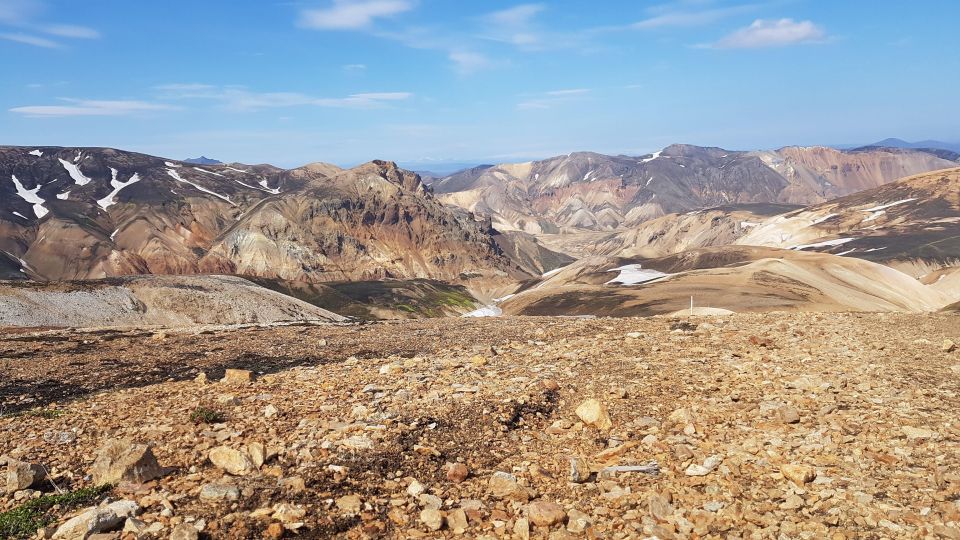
(750,426)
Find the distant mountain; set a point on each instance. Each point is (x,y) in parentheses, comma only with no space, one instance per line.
(586,191)
(919,145)
(203,160)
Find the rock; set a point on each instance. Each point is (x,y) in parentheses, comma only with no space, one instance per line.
(349,504)
(427,500)
(432,518)
(550,385)
(289,514)
(457,472)
(201,378)
(184,531)
(634,335)
(219,492)
(135,526)
(504,485)
(708,466)
(577,521)
(238,376)
(257,454)
(918,433)
(593,413)
(123,461)
(522,529)
(457,521)
(21,475)
(96,519)
(232,461)
(545,513)
(660,508)
(798,474)
(415,489)
(274,531)
(788,415)
(269,411)
(948,346)
(579,470)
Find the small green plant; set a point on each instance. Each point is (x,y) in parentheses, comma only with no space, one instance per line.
(207,415)
(26,519)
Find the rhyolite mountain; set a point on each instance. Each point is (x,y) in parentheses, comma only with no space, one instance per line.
(80,213)
(589,191)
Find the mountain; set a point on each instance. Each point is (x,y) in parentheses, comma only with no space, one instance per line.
(594,192)
(203,160)
(81,213)
(928,144)
(912,224)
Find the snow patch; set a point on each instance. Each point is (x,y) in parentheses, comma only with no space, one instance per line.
(30,195)
(746,224)
(63,196)
(825,243)
(37,153)
(173,174)
(237,170)
(266,186)
(552,272)
(653,156)
(822,219)
(168,164)
(874,216)
(19,215)
(634,274)
(485,311)
(888,205)
(209,172)
(108,201)
(75,173)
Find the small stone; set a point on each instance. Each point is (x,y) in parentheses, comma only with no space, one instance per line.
(660,508)
(593,413)
(579,470)
(522,529)
(504,485)
(577,521)
(550,385)
(122,461)
(457,521)
(918,433)
(219,492)
(257,453)
(232,461)
(948,346)
(274,531)
(708,466)
(415,489)
(792,502)
(545,513)
(798,474)
(457,472)
(269,411)
(201,378)
(349,504)
(634,335)
(22,475)
(789,415)
(432,518)
(184,531)
(135,526)
(238,376)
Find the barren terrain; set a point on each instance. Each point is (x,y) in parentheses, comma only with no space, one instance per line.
(761,426)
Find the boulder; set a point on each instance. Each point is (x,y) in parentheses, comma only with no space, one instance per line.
(123,461)
(21,475)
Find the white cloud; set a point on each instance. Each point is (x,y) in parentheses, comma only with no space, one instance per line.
(70,31)
(241,99)
(467,62)
(674,15)
(18,11)
(569,92)
(355,68)
(28,39)
(516,16)
(352,14)
(773,33)
(82,107)
(552,98)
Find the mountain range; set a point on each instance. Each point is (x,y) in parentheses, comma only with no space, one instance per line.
(507,234)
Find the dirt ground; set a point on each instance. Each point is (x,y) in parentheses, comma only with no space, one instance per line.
(761,426)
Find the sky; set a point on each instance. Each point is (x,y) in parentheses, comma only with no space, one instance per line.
(435,81)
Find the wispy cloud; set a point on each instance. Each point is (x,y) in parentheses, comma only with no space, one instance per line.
(552,98)
(355,68)
(468,62)
(83,107)
(238,98)
(773,33)
(20,22)
(352,14)
(28,39)
(688,14)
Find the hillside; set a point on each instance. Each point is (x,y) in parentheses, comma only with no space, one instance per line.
(82,213)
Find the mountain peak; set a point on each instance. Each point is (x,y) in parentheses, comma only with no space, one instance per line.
(203,160)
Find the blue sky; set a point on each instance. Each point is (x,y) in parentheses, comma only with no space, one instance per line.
(346,81)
